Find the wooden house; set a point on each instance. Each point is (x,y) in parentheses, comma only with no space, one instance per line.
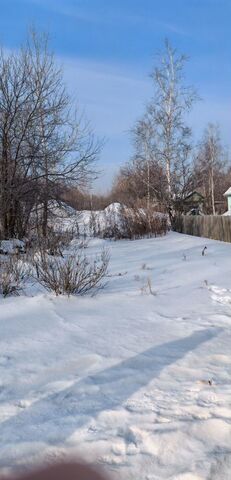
(193,203)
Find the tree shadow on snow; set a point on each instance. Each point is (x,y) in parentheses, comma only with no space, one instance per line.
(53,419)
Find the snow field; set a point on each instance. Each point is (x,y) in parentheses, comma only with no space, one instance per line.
(135,381)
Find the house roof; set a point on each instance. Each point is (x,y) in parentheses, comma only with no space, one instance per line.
(192,193)
(228,192)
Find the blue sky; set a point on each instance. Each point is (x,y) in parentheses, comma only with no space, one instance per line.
(107,49)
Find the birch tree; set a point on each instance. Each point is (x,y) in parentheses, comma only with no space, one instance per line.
(210,167)
(166,113)
(143,159)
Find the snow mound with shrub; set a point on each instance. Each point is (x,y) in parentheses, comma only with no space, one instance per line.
(12,246)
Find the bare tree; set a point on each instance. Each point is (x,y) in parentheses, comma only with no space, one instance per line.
(144,156)
(44,143)
(211,168)
(164,121)
(133,184)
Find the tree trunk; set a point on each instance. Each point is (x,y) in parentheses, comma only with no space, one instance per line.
(45,218)
(212,192)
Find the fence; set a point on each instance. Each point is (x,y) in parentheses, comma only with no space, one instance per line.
(215,227)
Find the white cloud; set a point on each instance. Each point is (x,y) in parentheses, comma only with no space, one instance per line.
(110,15)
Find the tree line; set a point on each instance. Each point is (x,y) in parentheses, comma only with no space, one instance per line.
(166,164)
(48,152)
(208,171)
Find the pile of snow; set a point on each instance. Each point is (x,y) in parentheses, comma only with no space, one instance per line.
(11,246)
(113,209)
(105,219)
(61,209)
(113,215)
(66,218)
(102,218)
(135,380)
(63,216)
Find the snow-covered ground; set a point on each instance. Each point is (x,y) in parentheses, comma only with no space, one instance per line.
(137,382)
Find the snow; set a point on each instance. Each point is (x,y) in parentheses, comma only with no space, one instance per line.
(111,216)
(59,209)
(228,192)
(136,382)
(11,246)
(65,217)
(113,208)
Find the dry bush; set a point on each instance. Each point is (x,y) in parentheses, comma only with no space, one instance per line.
(94,226)
(54,243)
(147,289)
(134,223)
(108,227)
(141,222)
(72,274)
(112,230)
(13,274)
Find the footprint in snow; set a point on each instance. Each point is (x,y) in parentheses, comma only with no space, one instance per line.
(220,295)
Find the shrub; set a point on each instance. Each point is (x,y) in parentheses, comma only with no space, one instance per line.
(72,274)
(143,222)
(93,225)
(54,243)
(134,223)
(13,274)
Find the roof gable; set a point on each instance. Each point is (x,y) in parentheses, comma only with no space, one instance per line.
(228,192)
(195,194)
